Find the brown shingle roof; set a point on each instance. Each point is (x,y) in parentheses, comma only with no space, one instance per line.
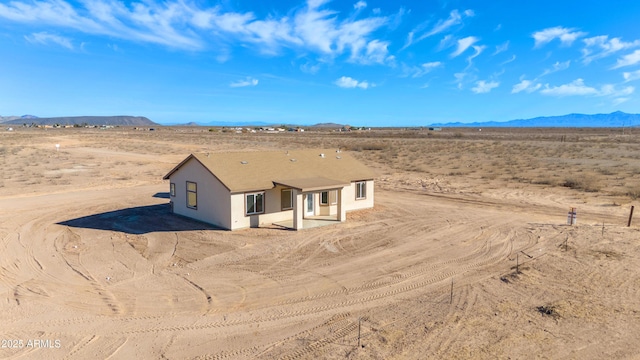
(249,171)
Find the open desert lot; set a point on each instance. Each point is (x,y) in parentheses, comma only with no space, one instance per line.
(466,253)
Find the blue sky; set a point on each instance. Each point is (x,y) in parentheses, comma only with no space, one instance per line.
(369,63)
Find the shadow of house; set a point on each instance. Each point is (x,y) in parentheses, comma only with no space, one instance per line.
(161,195)
(138,220)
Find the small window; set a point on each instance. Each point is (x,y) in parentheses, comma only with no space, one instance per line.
(329,197)
(324,198)
(192,195)
(255,203)
(286,199)
(361,190)
(172,189)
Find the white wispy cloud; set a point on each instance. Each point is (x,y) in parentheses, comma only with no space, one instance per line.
(501,48)
(443,25)
(423,69)
(566,36)
(599,47)
(618,101)
(454,18)
(511,59)
(627,60)
(483,86)
(46,39)
(464,44)
(190,25)
(525,85)
(446,42)
(248,81)
(463,78)
(578,88)
(360,5)
(611,90)
(631,76)
(558,66)
(477,51)
(350,83)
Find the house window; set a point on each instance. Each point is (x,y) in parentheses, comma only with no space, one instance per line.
(286,199)
(192,195)
(361,190)
(255,203)
(329,197)
(324,198)
(172,189)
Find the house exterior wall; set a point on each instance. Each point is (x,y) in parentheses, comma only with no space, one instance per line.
(329,209)
(350,201)
(272,206)
(213,199)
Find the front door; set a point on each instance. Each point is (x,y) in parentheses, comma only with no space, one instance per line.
(310,209)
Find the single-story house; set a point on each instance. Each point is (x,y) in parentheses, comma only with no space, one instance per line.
(236,190)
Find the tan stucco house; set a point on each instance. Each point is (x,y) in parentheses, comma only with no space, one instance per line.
(235,190)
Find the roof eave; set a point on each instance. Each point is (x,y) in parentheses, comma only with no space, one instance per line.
(166,177)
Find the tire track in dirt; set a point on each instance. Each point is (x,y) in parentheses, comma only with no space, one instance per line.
(337,321)
(396,277)
(74,262)
(443,275)
(311,311)
(81,345)
(200,289)
(318,344)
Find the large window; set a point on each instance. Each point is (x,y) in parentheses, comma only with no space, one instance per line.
(361,190)
(192,195)
(329,197)
(172,189)
(286,199)
(255,203)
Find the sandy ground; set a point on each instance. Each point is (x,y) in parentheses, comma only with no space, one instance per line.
(93,265)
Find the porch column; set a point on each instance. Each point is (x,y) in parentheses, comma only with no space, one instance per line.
(342,212)
(298,209)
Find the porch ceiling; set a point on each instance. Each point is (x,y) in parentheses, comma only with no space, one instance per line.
(312,184)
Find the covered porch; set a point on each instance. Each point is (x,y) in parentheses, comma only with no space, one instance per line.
(305,207)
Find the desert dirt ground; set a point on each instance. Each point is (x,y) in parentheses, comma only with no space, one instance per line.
(466,253)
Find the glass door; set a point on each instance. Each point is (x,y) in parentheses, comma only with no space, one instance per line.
(310,210)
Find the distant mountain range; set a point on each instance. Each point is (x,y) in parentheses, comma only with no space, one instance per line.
(122,120)
(615,119)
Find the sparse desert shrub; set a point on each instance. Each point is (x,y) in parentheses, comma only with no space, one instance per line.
(633,192)
(366,146)
(605,171)
(544,181)
(586,183)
